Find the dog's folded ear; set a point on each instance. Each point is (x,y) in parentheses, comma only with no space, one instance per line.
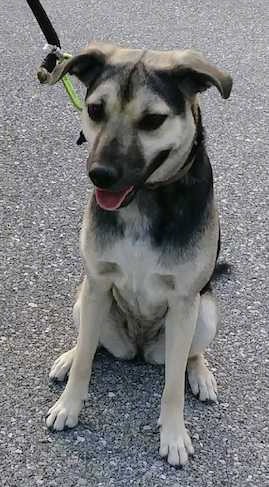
(85,66)
(194,74)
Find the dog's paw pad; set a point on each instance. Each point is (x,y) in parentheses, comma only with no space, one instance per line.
(61,366)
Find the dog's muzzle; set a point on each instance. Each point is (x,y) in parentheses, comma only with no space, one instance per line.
(104,178)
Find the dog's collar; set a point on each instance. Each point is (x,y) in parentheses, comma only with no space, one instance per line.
(156,164)
(189,161)
(182,171)
(158,161)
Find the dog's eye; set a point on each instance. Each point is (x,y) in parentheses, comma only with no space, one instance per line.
(96,112)
(151,121)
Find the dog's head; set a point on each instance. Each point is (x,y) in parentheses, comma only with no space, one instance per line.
(139,116)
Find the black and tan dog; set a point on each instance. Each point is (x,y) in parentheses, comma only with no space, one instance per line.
(150,232)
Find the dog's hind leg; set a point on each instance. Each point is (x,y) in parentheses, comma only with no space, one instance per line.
(201,380)
(154,352)
(62,365)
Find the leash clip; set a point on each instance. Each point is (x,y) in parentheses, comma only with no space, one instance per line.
(48,64)
(55,56)
(54,50)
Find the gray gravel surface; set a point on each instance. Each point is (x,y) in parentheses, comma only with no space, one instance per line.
(43,191)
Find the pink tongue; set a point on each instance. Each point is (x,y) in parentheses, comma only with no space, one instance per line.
(109,200)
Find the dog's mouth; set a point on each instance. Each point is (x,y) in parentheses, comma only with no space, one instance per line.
(113,200)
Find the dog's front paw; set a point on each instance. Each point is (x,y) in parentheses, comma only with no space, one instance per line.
(176,445)
(64,413)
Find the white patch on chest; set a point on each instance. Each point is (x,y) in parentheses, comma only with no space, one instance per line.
(136,286)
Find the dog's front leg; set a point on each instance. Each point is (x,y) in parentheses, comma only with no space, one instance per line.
(179,330)
(94,308)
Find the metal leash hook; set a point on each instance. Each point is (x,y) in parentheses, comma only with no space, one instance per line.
(49,62)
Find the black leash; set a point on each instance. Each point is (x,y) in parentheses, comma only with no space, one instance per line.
(44,23)
(49,32)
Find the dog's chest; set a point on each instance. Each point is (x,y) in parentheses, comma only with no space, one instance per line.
(136,279)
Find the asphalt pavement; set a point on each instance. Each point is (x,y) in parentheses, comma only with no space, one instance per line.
(43,192)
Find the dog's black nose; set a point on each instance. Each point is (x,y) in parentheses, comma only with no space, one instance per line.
(103,176)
